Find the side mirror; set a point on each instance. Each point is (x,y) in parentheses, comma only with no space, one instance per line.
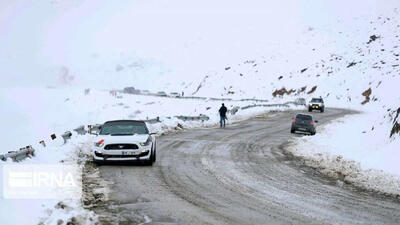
(154,133)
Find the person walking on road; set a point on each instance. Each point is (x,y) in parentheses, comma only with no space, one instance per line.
(222,114)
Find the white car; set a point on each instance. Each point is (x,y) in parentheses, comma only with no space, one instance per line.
(174,94)
(125,140)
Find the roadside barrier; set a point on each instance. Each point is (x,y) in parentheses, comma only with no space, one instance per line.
(234,110)
(80,130)
(196,97)
(152,121)
(264,105)
(29,151)
(66,136)
(42,143)
(220,99)
(193,118)
(193,97)
(299,101)
(17,156)
(253,99)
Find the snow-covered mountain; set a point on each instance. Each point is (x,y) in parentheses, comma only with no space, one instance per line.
(361,74)
(101,44)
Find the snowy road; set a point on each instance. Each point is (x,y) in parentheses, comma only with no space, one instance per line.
(237,175)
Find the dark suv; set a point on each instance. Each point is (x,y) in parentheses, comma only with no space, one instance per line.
(304,123)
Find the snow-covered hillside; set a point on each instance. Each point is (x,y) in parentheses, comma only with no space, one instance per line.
(343,76)
(58,110)
(91,43)
(362,74)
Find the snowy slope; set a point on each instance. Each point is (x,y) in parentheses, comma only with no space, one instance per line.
(43,210)
(363,74)
(57,110)
(90,43)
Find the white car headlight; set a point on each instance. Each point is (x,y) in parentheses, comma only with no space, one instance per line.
(148,142)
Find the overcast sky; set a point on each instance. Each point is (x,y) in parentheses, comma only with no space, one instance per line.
(42,40)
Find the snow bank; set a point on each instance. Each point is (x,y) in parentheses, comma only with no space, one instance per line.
(51,110)
(52,210)
(348,150)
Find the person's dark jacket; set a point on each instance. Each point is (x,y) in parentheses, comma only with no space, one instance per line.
(222,111)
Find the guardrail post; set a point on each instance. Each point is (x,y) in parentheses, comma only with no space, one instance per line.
(67,135)
(234,110)
(42,143)
(16,156)
(80,130)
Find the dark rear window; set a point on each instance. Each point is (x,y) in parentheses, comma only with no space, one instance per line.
(304,117)
(124,128)
(316,100)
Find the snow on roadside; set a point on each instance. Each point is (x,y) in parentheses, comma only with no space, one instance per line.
(366,159)
(52,210)
(51,111)
(58,110)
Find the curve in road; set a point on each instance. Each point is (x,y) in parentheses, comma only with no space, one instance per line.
(237,175)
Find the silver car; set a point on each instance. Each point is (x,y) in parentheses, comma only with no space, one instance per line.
(316,104)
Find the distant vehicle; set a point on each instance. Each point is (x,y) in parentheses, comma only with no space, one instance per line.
(131,90)
(300,101)
(125,140)
(174,94)
(162,93)
(145,92)
(303,123)
(316,104)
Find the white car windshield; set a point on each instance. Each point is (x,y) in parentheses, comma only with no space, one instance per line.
(124,128)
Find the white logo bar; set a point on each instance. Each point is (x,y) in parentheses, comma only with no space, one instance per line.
(42,181)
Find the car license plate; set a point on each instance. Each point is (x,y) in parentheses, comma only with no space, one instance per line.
(302,129)
(128,153)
